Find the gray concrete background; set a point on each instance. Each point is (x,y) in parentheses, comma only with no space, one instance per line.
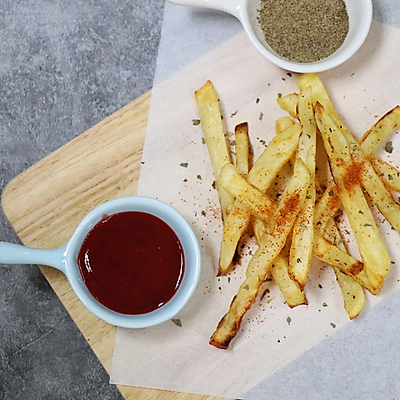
(64,66)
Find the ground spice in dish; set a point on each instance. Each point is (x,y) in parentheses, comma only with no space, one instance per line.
(304,30)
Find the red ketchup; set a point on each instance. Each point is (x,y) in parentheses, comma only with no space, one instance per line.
(131,262)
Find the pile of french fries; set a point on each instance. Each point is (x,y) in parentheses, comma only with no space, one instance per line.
(301,225)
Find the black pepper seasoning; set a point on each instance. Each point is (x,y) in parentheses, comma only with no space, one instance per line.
(304,30)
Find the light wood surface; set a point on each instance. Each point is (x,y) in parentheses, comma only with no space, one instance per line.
(45,203)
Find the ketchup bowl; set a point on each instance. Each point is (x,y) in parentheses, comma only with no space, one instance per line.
(76,256)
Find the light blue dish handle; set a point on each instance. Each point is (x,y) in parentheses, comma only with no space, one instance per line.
(11,253)
(230,6)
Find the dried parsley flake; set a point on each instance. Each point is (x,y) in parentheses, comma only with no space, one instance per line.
(177,322)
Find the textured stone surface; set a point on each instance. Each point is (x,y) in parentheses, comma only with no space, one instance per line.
(64,66)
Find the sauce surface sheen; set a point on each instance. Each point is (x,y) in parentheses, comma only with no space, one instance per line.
(131,262)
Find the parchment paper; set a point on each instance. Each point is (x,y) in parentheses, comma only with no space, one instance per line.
(176,169)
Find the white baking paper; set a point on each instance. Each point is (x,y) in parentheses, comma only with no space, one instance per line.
(176,169)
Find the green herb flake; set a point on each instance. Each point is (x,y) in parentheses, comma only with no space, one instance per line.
(333,325)
(196,122)
(203,140)
(246,287)
(185,180)
(214,185)
(203,213)
(389,147)
(279,95)
(299,260)
(177,322)
(288,320)
(184,164)
(261,116)
(229,279)
(367,225)
(304,226)
(331,193)
(233,114)
(390,177)
(324,305)
(257,100)
(199,177)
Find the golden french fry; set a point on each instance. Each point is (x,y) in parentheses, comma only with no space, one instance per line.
(331,254)
(260,264)
(280,271)
(258,203)
(379,192)
(279,150)
(303,232)
(289,103)
(380,130)
(282,123)
(242,148)
(210,118)
(346,174)
(352,291)
(386,172)
(326,208)
(289,287)
(234,228)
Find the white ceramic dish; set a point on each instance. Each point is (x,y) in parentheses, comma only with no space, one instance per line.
(65,260)
(360,18)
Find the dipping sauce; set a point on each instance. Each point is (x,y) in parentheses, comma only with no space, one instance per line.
(132,262)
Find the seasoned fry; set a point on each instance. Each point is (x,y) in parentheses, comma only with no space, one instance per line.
(332,255)
(261,263)
(267,166)
(282,123)
(289,103)
(242,148)
(280,271)
(258,203)
(210,117)
(346,174)
(303,232)
(380,130)
(386,172)
(352,291)
(326,208)
(289,287)
(238,220)
(234,228)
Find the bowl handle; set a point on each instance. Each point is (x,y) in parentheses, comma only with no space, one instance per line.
(11,253)
(229,6)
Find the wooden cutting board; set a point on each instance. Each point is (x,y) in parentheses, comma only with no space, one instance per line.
(45,203)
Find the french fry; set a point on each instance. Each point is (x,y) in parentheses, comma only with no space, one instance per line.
(303,232)
(282,123)
(332,255)
(352,291)
(234,228)
(326,208)
(280,271)
(289,103)
(260,204)
(267,166)
(210,118)
(289,287)
(261,263)
(242,147)
(238,220)
(386,172)
(346,174)
(380,130)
